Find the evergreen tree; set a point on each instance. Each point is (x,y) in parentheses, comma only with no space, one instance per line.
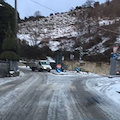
(9,47)
(7,17)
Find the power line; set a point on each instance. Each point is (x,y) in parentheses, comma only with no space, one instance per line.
(44,6)
(57,11)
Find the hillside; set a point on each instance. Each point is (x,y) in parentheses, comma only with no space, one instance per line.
(78,30)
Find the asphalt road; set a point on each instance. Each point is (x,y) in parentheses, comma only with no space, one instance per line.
(46,96)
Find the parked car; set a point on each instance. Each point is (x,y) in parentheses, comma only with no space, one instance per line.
(118,72)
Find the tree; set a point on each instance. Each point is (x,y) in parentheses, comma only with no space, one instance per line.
(37,14)
(6,17)
(89,3)
(9,47)
(1,1)
(107,2)
(96,4)
(51,14)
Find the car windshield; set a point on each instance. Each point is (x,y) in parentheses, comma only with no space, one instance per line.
(44,63)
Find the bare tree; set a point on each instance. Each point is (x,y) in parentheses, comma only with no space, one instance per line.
(80,26)
(96,4)
(89,3)
(107,2)
(37,13)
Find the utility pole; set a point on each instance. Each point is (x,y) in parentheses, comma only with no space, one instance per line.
(79,26)
(16,19)
(16,27)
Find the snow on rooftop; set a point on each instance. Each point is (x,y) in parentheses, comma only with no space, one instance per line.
(1,5)
(108,22)
(50,59)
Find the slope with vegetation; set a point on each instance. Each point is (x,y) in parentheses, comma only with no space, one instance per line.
(93,26)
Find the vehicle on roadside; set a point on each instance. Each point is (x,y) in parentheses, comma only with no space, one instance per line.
(118,72)
(40,65)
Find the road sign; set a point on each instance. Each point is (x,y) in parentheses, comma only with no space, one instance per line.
(114,55)
(115,49)
(58,70)
(58,66)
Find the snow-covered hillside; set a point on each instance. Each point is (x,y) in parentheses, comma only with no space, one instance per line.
(48,29)
(60,31)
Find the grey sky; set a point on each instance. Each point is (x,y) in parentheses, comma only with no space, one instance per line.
(27,8)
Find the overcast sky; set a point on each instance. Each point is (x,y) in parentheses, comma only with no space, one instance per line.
(27,8)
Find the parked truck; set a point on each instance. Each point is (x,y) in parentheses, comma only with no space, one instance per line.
(40,65)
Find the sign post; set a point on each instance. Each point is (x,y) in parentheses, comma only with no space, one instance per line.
(114,56)
(58,68)
(115,49)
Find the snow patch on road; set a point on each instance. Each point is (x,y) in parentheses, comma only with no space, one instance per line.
(62,100)
(107,89)
(11,97)
(74,73)
(108,86)
(10,79)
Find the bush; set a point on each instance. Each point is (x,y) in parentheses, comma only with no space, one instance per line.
(9,55)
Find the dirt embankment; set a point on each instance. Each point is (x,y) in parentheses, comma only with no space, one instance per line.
(94,67)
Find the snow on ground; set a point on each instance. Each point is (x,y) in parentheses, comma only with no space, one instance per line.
(7,100)
(99,48)
(54,45)
(103,85)
(107,86)
(107,22)
(72,73)
(25,67)
(118,40)
(10,79)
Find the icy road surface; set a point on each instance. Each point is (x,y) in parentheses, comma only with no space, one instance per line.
(47,96)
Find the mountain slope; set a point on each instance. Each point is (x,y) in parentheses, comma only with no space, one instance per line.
(67,32)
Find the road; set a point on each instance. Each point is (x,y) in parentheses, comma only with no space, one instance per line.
(46,96)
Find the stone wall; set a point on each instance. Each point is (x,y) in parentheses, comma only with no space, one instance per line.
(102,68)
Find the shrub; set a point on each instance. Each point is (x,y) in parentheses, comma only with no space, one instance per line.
(9,55)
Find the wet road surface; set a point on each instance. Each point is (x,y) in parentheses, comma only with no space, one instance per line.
(46,96)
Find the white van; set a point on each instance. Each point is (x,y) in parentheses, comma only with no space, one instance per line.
(40,65)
